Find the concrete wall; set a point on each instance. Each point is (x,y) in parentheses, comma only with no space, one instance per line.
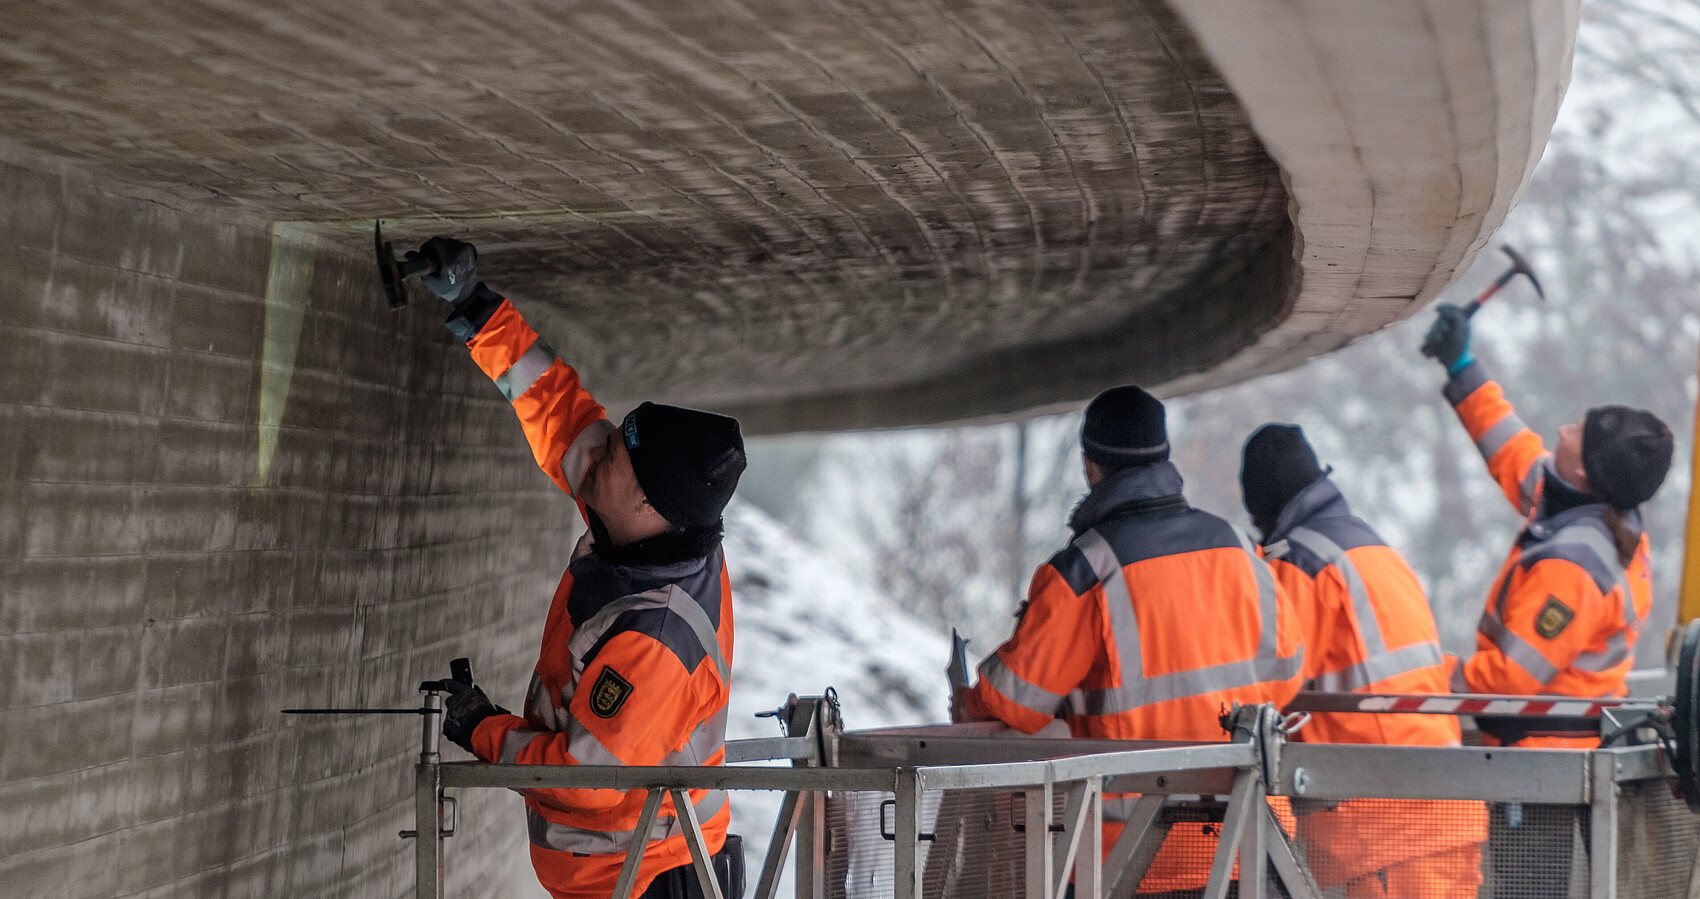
(232,481)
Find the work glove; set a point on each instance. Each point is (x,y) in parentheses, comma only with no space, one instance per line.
(464,708)
(1448,339)
(454,267)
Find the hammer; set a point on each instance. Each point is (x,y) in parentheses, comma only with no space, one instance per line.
(1519,266)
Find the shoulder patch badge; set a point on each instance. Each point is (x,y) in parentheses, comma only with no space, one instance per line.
(1554,617)
(609,694)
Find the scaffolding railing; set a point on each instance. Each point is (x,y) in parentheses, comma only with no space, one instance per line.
(900,812)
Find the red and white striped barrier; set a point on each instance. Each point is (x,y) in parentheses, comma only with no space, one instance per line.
(1460,704)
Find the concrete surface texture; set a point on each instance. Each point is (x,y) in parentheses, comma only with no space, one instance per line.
(843,214)
(232,481)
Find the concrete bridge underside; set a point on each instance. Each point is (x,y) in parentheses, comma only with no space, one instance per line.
(235,481)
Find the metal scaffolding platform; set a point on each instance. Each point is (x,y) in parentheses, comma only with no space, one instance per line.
(954,811)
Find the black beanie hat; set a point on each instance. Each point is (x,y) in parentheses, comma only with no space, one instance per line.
(686,461)
(1123,428)
(1625,454)
(1277,463)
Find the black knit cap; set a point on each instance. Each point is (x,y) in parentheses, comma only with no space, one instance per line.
(1277,463)
(686,461)
(1625,454)
(1124,427)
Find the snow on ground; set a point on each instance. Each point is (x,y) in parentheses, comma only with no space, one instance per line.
(803,625)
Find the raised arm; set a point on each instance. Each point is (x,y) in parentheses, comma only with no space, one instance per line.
(562,421)
(1515,456)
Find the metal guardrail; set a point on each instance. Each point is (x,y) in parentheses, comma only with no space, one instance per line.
(913,762)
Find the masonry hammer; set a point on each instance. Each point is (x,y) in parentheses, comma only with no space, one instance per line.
(1519,266)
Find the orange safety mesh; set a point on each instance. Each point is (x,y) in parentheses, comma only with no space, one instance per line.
(1411,849)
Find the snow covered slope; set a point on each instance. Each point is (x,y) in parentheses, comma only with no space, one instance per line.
(804,625)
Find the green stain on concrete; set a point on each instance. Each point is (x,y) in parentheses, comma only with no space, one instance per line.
(288,283)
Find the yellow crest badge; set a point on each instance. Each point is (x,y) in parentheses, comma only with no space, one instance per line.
(609,694)
(1555,616)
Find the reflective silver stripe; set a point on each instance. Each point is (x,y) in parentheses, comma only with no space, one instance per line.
(1138,690)
(708,737)
(1268,607)
(1494,439)
(1118,604)
(1033,698)
(1531,480)
(1518,650)
(576,460)
(539,706)
(1379,662)
(565,838)
(669,597)
(1369,627)
(705,741)
(526,370)
(1184,684)
(586,748)
(1380,667)
(1617,652)
(515,741)
(1606,550)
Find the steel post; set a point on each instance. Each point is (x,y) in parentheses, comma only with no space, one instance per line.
(906,867)
(640,839)
(1602,823)
(1241,802)
(1088,842)
(1038,831)
(701,861)
(428,804)
(784,828)
(811,848)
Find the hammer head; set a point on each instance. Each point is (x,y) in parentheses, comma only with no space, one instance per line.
(1520,266)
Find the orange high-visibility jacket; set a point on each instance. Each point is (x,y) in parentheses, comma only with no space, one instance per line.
(1563,615)
(1153,622)
(635,661)
(1368,627)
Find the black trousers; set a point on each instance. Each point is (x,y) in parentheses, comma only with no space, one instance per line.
(681,882)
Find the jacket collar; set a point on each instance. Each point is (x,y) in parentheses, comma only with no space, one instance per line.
(1129,491)
(675,553)
(1545,527)
(1319,499)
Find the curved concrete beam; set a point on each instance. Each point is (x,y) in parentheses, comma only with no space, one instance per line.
(823,215)
(1404,132)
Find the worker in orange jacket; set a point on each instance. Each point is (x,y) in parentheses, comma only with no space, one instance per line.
(1368,629)
(1155,619)
(635,666)
(1565,611)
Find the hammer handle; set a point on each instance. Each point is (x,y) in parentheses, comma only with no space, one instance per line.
(1473,305)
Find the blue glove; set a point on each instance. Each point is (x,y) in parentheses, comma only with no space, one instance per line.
(464,709)
(454,267)
(1448,339)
